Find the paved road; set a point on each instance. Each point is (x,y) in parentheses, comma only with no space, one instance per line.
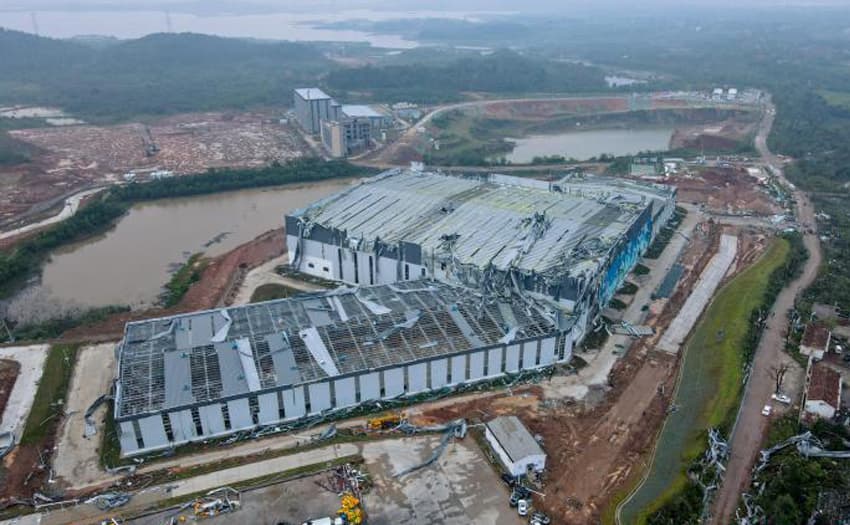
(72,204)
(752,426)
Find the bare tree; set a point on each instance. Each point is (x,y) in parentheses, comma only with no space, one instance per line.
(779,375)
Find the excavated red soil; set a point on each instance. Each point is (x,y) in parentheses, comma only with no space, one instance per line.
(74,157)
(724,190)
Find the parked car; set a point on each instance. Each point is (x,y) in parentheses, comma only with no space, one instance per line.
(514,499)
(508,479)
(522,507)
(782,398)
(767,410)
(540,518)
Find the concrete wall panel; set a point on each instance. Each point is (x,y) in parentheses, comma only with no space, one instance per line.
(320,397)
(182,426)
(240,415)
(344,390)
(547,351)
(494,361)
(212,420)
(458,369)
(269,410)
(363,267)
(393,382)
(476,365)
(512,358)
(387,270)
(127,438)
(417,376)
(153,432)
(567,349)
(529,355)
(370,386)
(293,402)
(439,371)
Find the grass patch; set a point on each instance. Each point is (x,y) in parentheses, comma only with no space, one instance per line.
(710,385)
(641,269)
(183,279)
(628,288)
(272,291)
(109,450)
(617,304)
(838,99)
(51,393)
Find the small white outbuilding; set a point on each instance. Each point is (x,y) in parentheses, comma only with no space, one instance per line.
(514,445)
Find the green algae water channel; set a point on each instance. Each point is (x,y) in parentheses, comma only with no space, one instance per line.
(710,386)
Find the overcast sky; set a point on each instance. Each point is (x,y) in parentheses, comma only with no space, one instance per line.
(235,6)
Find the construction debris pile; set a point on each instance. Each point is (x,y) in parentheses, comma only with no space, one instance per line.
(712,468)
(110,500)
(456,429)
(216,502)
(807,445)
(350,484)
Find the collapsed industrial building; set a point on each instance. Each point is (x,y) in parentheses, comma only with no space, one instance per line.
(569,242)
(444,280)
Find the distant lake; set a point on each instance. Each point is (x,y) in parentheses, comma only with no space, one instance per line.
(583,145)
(272,26)
(131,262)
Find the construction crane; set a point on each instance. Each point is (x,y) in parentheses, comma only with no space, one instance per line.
(386,421)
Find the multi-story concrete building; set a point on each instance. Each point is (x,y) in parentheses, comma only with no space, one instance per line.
(312,106)
(353,131)
(346,136)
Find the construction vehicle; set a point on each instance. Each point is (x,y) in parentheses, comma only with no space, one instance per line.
(350,510)
(386,421)
(350,513)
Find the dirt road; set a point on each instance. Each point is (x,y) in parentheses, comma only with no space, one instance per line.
(751,426)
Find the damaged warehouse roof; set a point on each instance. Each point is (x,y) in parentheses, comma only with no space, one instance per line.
(496,221)
(176,361)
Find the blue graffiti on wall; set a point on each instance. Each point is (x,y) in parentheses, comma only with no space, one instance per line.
(623,262)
